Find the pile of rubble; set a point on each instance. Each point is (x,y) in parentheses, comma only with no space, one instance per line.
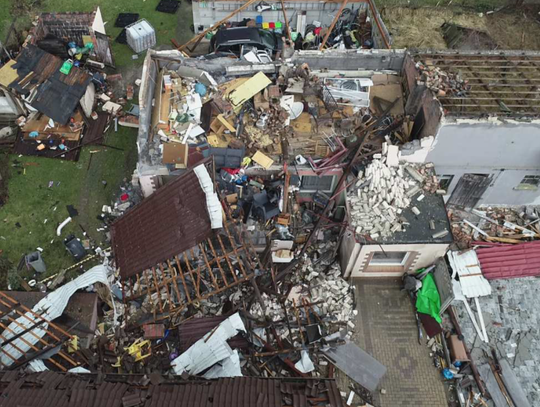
(496,225)
(441,82)
(384,190)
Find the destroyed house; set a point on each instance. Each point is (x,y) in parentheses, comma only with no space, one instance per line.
(55,389)
(385,241)
(36,79)
(478,122)
(54,31)
(159,153)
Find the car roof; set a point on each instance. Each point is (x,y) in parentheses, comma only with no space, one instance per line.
(238,34)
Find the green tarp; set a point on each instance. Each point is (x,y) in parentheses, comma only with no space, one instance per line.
(428,300)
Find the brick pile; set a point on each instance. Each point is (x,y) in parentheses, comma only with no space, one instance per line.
(381,194)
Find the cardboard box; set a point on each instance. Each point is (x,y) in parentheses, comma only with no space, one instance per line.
(457,349)
(175,153)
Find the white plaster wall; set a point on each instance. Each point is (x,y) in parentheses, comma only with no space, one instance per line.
(507,150)
(428,254)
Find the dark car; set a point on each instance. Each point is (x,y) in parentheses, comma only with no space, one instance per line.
(231,40)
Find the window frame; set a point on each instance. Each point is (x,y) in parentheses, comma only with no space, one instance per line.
(529,186)
(389,263)
(445,177)
(311,190)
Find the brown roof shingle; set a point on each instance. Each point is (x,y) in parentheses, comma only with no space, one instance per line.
(172,220)
(113,391)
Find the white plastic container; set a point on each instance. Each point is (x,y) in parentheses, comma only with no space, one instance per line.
(140,36)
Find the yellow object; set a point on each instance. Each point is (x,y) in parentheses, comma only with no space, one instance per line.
(248,89)
(8,74)
(266,26)
(216,141)
(246,161)
(263,160)
(136,350)
(73,344)
(226,123)
(138,347)
(86,39)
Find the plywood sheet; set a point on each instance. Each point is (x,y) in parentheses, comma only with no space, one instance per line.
(388,92)
(40,123)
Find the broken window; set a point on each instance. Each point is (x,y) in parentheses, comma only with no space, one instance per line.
(529,183)
(311,183)
(389,259)
(445,181)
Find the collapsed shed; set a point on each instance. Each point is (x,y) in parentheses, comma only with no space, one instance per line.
(54,31)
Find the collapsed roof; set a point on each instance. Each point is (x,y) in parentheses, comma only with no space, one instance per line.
(35,76)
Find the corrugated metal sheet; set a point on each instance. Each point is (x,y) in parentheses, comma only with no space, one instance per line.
(172,220)
(512,261)
(49,308)
(211,349)
(89,391)
(191,331)
(467,266)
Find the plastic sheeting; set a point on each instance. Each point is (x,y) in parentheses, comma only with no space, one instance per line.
(49,308)
(428,300)
(210,349)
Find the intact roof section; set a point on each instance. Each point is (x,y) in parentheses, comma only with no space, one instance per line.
(502,83)
(169,222)
(512,261)
(58,390)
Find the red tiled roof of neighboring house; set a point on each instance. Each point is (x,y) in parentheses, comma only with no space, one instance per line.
(512,261)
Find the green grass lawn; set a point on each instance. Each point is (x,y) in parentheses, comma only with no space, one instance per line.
(34,210)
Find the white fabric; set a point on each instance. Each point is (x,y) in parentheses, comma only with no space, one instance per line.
(305,365)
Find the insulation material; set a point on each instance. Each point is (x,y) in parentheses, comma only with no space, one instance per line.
(212,201)
(467,266)
(210,349)
(49,308)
